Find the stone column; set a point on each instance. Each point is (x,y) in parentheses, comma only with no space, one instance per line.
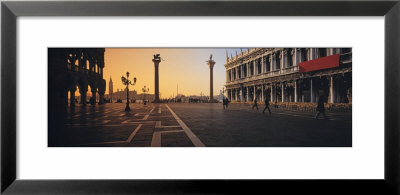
(311,91)
(248,69)
(254,93)
(262,93)
(254,67)
(283,92)
(236,94)
(331,91)
(314,53)
(247,94)
(230,93)
(295,91)
(72,97)
(271,68)
(272,92)
(284,58)
(241,94)
(83,95)
(101,97)
(262,65)
(211,66)
(156,80)
(93,96)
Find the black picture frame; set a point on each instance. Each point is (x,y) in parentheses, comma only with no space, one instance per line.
(10,10)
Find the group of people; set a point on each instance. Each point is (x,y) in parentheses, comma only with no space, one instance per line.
(266,101)
(320,106)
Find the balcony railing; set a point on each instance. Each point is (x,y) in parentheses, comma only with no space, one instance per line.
(269,74)
(75,68)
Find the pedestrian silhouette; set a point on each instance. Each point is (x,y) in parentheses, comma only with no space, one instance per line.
(223,103)
(320,108)
(255,104)
(266,101)
(226,103)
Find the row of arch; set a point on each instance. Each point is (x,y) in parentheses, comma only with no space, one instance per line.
(88,59)
(84,86)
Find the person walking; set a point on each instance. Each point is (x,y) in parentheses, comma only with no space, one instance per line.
(320,108)
(226,103)
(223,103)
(255,104)
(266,101)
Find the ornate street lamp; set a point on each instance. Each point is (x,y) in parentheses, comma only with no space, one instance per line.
(127,82)
(144,94)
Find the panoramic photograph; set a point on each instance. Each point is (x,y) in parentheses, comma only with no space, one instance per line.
(200,97)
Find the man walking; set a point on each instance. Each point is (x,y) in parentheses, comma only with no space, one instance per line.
(266,101)
(320,108)
(223,103)
(255,104)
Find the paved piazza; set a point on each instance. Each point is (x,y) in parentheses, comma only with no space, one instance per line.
(199,124)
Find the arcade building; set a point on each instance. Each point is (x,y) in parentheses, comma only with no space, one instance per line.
(290,75)
(74,70)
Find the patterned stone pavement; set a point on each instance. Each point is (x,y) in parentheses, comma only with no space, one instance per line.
(201,124)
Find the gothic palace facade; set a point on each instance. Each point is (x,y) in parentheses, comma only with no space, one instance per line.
(290,75)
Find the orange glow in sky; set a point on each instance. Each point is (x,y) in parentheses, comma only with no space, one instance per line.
(185,67)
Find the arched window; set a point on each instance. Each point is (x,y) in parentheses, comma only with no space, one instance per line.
(322,52)
(267,64)
(278,61)
(240,72)
(87,65)
(290,58)
(251,68)
(245,70)
(304,55)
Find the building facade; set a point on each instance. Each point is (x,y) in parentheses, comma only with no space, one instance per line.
(72,69)
(290,75)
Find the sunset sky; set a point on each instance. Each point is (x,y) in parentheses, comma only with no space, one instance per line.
(185,67)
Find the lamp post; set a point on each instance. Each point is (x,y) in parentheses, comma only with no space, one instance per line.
(145,90)
(127,82)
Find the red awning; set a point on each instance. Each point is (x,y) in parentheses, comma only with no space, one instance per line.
(320,63)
